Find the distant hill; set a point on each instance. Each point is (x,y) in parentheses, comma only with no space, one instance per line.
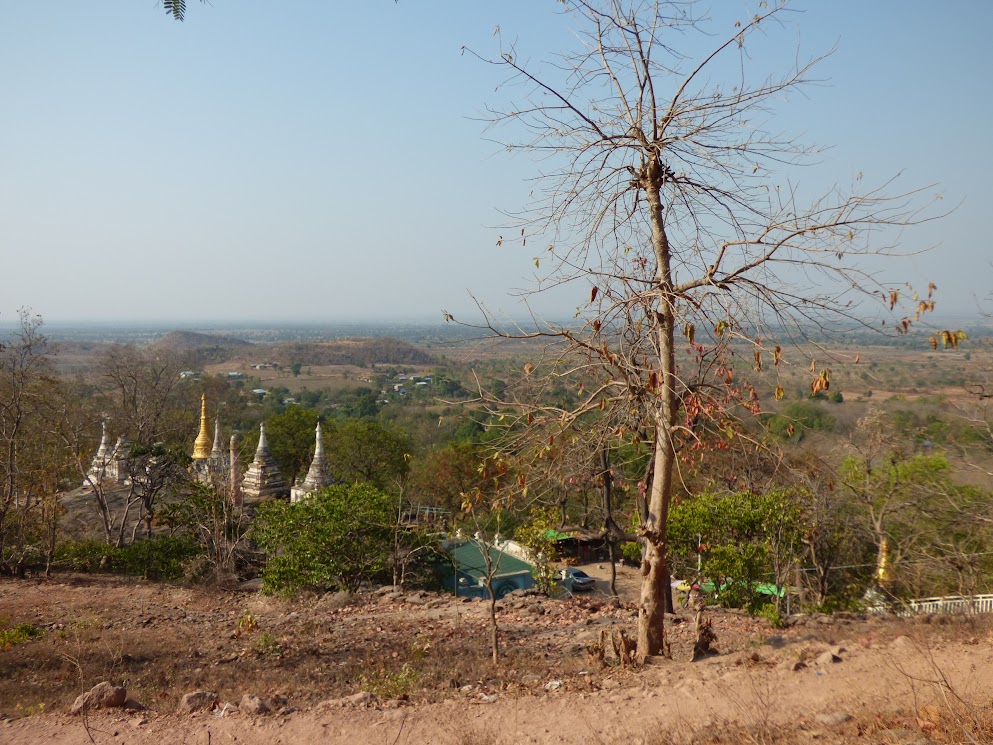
(203,348)
(183,341)
(362,352)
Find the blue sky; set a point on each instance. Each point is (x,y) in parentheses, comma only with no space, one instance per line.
(320,161)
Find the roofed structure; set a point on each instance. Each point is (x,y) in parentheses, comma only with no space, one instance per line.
(318,476)
(263,478)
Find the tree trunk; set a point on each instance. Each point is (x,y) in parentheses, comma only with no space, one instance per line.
(613,566)
(607,486)
(494,632)
(655,565)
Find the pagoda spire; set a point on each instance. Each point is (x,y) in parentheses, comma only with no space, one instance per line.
(201,448)
(263,478)
(262,451)
(102,451)
(318,476)
(216,452)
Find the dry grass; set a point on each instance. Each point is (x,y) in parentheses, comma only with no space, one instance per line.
(469,734)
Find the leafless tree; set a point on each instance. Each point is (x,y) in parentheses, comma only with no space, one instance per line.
(666,195)
(140,392)
(25,371)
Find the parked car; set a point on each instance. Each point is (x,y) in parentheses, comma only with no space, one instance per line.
(576,580)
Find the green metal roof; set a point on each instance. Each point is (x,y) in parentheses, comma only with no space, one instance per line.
(469,558)
(554,535)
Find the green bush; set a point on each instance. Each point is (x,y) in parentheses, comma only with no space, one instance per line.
(335,539)
(160,557)
(771,614)
(17,635)
(795,419)
(395,684)
(631,551)
(83,556)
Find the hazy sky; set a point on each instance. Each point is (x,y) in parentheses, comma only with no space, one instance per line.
(319,160)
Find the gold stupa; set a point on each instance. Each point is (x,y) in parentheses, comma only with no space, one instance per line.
(201,448)
(883,570)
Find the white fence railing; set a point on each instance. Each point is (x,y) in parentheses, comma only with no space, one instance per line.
(953,604)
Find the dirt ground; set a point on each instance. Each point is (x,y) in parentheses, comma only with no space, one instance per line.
(424,658)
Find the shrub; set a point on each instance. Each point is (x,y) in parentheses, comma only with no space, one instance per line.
(771,614)
(631,551)
(392,684)
(539,535)
(795,419)
(160,557)
(268,644)
(17,635)
(335,539)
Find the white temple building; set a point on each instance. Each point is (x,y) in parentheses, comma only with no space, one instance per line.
(214,467)
(263,479)
(109,465)
(318,475)
(210,463)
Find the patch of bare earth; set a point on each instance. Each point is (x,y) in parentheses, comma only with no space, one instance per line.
(424,658)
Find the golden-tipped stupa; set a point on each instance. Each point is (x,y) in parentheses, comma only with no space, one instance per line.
(883,572)
(201,448)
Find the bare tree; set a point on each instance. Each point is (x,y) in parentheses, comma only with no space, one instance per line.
(25,367)
(140,392)
(139,396)
(666,196)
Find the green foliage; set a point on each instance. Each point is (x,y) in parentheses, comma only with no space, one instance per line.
(849,601)
(771,614)
(18,635)
(160,557)
(364,450)
(390,685)
(208,519)
(441,476)
(247,624)
(353,403)
(469,430)
(537,534)
(335,539)
(631,551)
(268,644)
(745,539)
(803,417)
(922,511)
(291,440)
